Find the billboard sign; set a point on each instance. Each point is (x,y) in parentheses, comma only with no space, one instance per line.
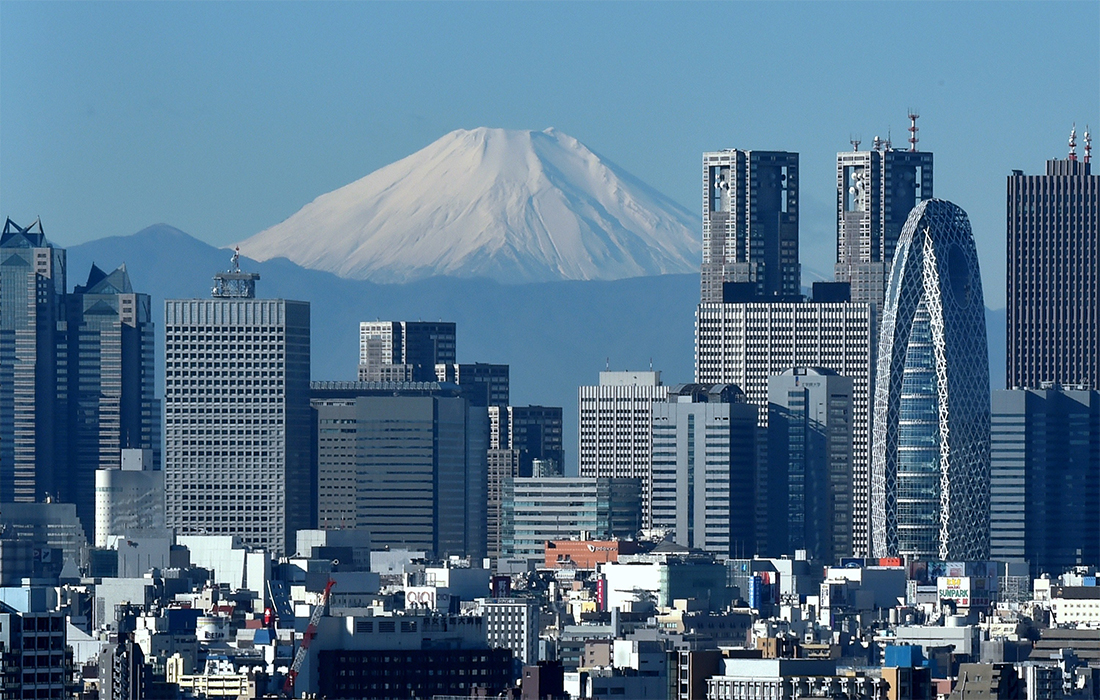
(954,589)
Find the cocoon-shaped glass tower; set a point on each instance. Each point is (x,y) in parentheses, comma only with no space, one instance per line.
(930,442)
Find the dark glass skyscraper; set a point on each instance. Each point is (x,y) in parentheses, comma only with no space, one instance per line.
(33,392)
(1045,463)
(111,400)
(1054,276)
(930,446)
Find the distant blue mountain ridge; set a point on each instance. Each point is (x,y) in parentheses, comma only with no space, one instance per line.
(556,336)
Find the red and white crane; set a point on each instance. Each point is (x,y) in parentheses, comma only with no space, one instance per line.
(307,637)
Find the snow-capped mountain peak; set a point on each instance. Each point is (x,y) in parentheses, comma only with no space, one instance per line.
(515,206)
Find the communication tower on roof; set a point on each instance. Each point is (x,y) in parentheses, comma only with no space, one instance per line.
(913,129)
(1073,142)
(234,284)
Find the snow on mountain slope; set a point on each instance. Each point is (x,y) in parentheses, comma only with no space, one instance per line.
(514,206)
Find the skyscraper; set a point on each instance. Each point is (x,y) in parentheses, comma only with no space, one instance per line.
(483,383)
(616,423)
(704,462)
(930,461)
(33,376)
(876,189)
(404,351)
(750,223)
(1054,275)
(745,343)
(404,461)
(237,419)
(111,382)
(1045,478)
(810,431)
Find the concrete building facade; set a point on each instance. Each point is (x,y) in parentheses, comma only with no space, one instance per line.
(875,190)
(745,343)
(404,351)
(616,427)
(237,422)
(750,222)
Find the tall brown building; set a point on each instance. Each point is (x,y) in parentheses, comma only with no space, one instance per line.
(1054,275)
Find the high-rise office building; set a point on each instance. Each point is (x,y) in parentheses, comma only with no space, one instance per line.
(520,438)
(930,462)
(810,440)
(33,369)
(1045,478)
(237,439)
(1054,275)
(112,406)
(405,462)
(404,351)
(704,461)
(483,383)
(876,189)
(745,343)
(616,427)
(750,223)
(537,511)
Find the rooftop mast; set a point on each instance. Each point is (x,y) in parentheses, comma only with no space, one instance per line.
(1073,143)
(913,129)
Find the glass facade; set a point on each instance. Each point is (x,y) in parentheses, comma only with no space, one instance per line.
(930,443)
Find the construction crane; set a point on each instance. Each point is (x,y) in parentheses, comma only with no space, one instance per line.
(307,637)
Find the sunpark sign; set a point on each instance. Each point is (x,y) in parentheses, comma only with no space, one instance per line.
(954,589)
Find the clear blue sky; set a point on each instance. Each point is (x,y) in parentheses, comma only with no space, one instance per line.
(225,118)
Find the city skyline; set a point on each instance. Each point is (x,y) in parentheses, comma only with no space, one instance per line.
(154,141)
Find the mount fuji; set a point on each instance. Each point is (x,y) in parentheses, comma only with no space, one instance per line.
(512,206)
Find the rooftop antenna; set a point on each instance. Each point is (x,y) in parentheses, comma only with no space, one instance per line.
(235,261)
(651,364)
(1073,143)
(913,129)
(1088,144)
(889,144)
(607,363)
(854,140)
(877,143)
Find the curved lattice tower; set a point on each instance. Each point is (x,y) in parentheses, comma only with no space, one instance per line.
(930,447)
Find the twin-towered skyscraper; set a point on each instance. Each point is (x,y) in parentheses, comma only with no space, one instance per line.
(928,456)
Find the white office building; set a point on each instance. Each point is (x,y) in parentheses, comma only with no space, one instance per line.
(130,499)
(616,426)
(745,343)
(513,623)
